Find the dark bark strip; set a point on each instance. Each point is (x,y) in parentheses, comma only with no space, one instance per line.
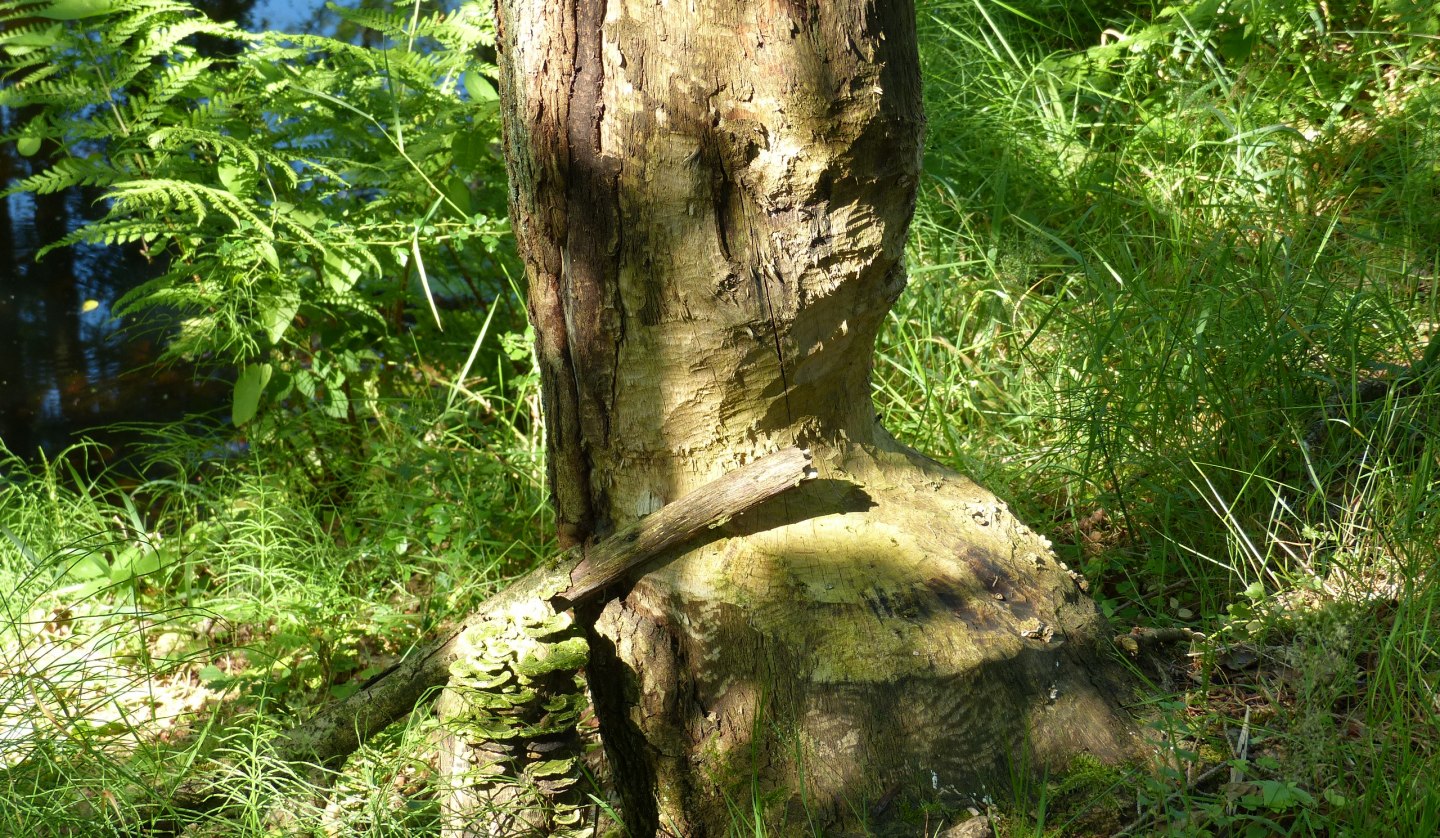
(564,208)
(536,149)
(588,273)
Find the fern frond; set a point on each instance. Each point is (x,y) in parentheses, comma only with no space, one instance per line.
(177,137)
(22,67)
(43,71)
(472,28)
(24,10)
(393,24)
(162,128)
(30,33)
(119,232)
(213,112)
(167,42)
(160,51)
(351,57)
(310,44)
(131,17)
(162,41)
(63,93)
(159,197)
(171,82)
(461,30)
(165,195)
(300,230)
(71,171)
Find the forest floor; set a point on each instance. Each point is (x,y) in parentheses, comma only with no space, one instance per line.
(1173,297)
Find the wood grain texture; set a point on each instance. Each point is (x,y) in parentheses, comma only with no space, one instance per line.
(708,507)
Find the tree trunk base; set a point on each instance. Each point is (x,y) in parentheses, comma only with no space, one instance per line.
(885,641)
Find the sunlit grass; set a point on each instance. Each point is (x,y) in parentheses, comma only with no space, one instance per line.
(175,624)
(1171,302)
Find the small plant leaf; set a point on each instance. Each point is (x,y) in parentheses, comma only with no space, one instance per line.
(135,560)
(279,315)
(89,566)
(267,252)
(479,88)
(233,178)
(248,388)
(340,274)
(75,9)
(469,151)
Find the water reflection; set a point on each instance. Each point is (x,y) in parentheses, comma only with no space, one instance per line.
(67,367)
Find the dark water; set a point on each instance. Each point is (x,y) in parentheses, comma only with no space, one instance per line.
(69,368)
(66,365)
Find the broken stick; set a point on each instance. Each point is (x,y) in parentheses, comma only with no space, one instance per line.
(572,578)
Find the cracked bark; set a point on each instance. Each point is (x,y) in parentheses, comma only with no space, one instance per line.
(711,199)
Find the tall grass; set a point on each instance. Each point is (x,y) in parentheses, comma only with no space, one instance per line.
(154,627)
(1172,281)
(1172,277)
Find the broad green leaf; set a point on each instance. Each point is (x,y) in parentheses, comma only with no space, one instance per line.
(340,274)
(248,387)
(233,178)
(27,146)
(337,402)
(1236,43)
(267,252)
(280,315)
(458,191)
(468,150)
(75,9)
(479,88)
(306,218)
(305,382)
(135,560)
(88,566)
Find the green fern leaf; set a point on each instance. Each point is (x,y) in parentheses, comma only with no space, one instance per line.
(71,171)
(172,82)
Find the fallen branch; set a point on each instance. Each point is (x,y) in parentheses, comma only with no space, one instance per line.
(568,580)
(1144,637)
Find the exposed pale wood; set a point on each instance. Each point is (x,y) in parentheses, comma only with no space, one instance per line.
(708,507)
(910,637)
(570,579)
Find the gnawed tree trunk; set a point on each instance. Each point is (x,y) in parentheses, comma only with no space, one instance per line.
(711,198)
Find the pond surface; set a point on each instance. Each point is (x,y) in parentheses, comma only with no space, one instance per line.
(67,367)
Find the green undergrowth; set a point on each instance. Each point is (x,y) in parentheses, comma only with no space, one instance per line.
(157,626)
(1173,297)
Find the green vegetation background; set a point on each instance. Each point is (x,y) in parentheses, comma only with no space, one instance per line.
(1173,296)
